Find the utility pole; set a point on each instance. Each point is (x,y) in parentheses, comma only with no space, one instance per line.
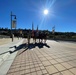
(13,25)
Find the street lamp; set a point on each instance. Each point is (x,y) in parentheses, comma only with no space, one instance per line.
(13,25)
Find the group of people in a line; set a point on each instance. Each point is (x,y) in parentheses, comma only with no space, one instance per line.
(38,36)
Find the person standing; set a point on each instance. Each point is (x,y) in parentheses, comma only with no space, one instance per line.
(28,37)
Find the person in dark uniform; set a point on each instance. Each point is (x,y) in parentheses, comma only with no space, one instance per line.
(45,37)
(28,37)
(40,37)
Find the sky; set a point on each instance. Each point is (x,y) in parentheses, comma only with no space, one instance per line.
(61,14)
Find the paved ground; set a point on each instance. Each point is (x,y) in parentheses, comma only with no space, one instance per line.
(6,40)
(6,57)
(55,58)
(7,44)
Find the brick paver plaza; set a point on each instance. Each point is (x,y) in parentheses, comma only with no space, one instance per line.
(57,59)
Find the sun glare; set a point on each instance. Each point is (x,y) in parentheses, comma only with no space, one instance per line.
(45,11)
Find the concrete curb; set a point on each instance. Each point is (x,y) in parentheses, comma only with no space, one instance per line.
(6,55)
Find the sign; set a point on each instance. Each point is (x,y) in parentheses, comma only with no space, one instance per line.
(14,24)
(53,30)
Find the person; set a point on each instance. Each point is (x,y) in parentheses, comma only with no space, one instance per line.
(35,36)
(28,37)
(40,37)
(45,37)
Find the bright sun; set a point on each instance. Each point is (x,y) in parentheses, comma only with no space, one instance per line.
(45,11)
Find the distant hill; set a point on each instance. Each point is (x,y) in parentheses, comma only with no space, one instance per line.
(24,32)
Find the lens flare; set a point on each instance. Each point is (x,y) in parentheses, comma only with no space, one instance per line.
(45,11)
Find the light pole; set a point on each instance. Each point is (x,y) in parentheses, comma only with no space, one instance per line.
(12,22)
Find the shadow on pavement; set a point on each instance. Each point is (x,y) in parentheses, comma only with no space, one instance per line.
(31,46)
(4,52)
(26,47)
(22,46)
(39,45)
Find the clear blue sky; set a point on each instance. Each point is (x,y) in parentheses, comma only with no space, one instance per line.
(62,14)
